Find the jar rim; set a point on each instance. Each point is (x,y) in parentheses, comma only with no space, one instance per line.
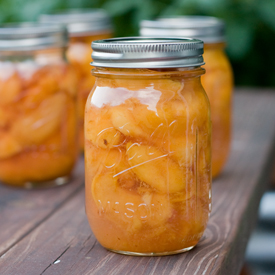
(80,21)
(206,28)
(29,36)
(147,52)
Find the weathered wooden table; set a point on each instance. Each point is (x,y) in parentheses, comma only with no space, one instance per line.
(46,231)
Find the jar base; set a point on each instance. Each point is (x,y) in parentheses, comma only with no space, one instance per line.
(149,254)
(46,184)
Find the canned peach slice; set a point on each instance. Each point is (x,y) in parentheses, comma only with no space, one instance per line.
(155,168)
(100,130)
(109,159)
(149,121)
(69,81)
(47,79)
(123,120)
(70,123)
(38,124)
(92,157)
(116,162)
(182,149)
(4,118)
(169,87)
(9,146)
(42,85)
(10,89)
(183,112)
(127,208)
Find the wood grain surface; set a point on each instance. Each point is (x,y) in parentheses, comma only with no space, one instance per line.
(23,210)
(46,231)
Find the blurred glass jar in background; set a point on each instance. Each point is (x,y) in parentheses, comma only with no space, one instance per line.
(84,26)
(38,119)
(148,146)
(218,80)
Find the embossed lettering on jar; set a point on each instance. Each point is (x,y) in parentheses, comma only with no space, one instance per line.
(38,143)
(218,80)
(84,26)
(148,146)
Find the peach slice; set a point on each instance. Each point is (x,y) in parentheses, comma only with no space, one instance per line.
(38,124)
(10,89)
(100,130)
(9,146)
(184,113)
(5,117)
(182,149)
(123,121)
(127,208)
(155,168)
(69,81)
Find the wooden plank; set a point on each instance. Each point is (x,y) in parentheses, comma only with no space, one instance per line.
(272,181)
(253,153)
(23,210)
(64,244)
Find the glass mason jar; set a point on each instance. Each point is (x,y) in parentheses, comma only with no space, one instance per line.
(38,120)
(84,26)
(148,146)
(218,80)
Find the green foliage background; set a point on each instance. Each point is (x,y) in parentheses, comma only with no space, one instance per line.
(250,25)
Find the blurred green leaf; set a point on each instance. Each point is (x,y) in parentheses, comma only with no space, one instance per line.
(119,7)
(146,9)
(266,11)
(239,38)
(250,25)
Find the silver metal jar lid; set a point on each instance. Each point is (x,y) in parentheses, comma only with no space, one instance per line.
(144,52)
(206,28)
(32,36)
(81,21)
